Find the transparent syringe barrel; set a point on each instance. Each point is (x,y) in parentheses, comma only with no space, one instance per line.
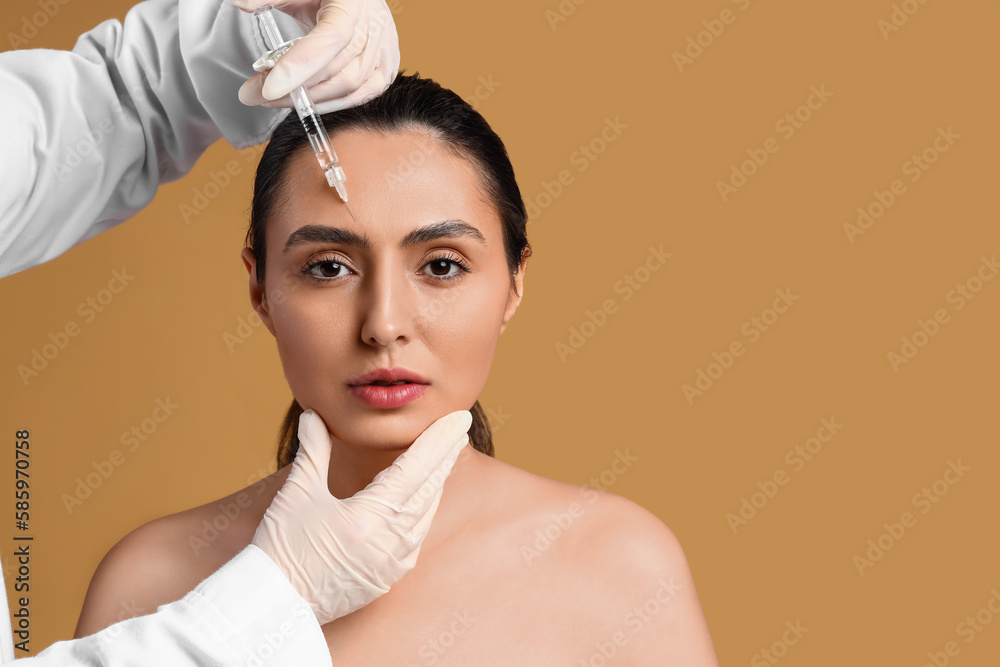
(267,25)
(313,125)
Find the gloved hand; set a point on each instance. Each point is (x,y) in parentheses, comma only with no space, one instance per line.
(350,52)
(342,554)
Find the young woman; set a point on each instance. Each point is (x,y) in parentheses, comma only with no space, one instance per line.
(414,290)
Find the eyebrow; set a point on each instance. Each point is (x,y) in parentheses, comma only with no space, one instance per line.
(431,232)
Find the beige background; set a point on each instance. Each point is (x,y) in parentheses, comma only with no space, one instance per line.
(656,183)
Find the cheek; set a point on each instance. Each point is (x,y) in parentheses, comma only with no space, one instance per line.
(309,337)
(466,329)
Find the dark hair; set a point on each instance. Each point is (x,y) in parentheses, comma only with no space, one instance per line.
(410,102)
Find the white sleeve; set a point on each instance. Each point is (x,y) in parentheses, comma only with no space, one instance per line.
(90,133)
(247,613)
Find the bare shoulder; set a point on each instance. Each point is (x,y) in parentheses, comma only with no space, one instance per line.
(637,565)
(162,560)
(640,597)
(607,524)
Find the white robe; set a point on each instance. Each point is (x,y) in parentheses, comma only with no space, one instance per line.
(89,134)
(247,613)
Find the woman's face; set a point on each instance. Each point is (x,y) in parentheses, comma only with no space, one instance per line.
(339,309)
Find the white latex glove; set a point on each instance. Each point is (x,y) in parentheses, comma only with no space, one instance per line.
(350,52)
(342,554)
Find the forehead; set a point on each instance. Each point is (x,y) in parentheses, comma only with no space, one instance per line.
(395,182)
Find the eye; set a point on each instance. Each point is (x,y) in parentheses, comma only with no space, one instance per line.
(324,268)
(329,268)
(441,263)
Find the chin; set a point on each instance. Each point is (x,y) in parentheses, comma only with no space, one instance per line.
(381,430)
(364,427)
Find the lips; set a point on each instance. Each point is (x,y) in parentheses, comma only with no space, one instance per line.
(395,396)
(388,376)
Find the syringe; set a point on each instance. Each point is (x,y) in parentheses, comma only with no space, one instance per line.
(311,122)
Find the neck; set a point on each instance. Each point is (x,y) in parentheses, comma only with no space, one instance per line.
(352,469)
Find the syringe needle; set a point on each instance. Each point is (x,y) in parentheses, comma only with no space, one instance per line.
(350,211)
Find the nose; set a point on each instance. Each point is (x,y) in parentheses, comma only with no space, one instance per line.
(387,307)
